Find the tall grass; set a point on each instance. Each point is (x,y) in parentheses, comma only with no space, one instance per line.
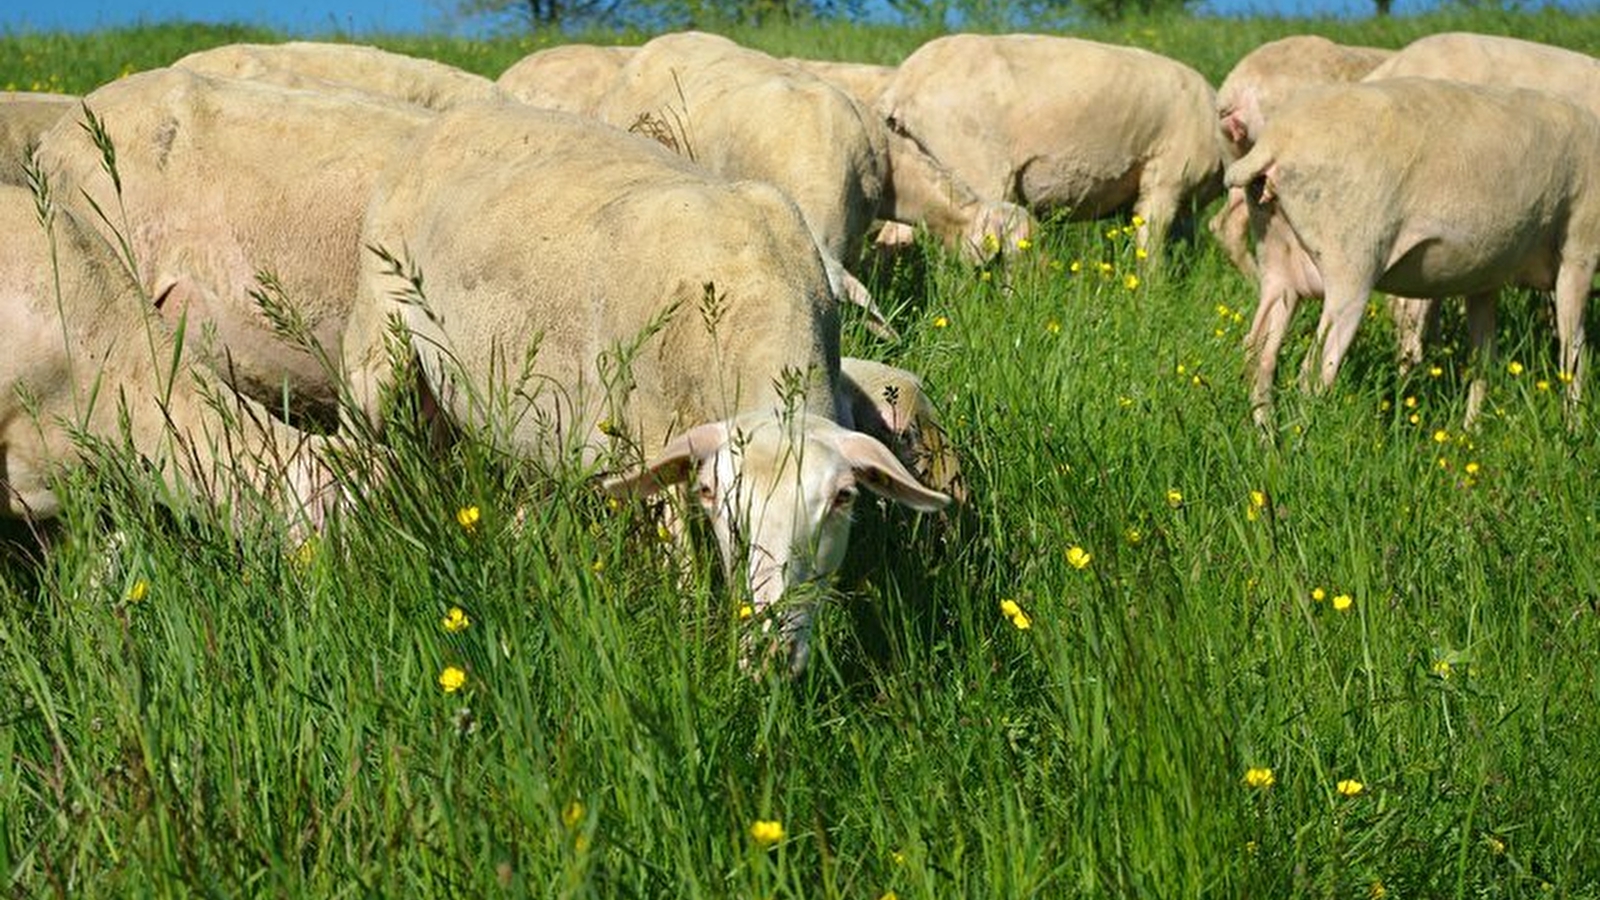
(194,711)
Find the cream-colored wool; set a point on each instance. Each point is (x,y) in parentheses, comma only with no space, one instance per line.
(24,118)
(1059,124)
(85,350)
(224,179)
(569,77)
(1352,189)
(312,65)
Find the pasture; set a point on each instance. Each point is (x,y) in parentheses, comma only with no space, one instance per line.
(1153,657)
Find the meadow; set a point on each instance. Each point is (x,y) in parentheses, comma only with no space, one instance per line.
(1153,656)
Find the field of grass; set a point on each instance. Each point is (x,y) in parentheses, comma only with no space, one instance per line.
(1358,662)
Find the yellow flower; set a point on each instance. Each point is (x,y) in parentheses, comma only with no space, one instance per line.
(1496,846)
(991,243)
(573,814)
(766,832)
(941,322)
(1022,621)
(1113,232)
(1342,602)
(1258,499)
(1514,367)
(1141,253)
(1259,777)
(1134,536)
(1436,371)
(455,620)
(1138,221)
(1542,385)
(1411,403)
(1076,267)
(306,552)
(467,517)
(1441,668)
(1009,608)
(451,679)
(1350,787)
(1564,377)
(1473,468)
(138,591)
(597,566)
(1079,558)
(1441,437)
(1318,594)
(746,611)
(1416,418)
(1378,891)
(1105,268)
(1024,244)
(1053,326)
(1130,281)
(984,275)
(889,895)
(1174,498)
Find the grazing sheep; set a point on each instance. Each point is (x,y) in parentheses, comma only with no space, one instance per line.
(24,118)
(1487,60)
(570,77)
(712,349)
(1059,124)
(1260,82)
(310,65)
(88,361)
(1351,188)
(224,180)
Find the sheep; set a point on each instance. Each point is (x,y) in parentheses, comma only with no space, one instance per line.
(1487,60)
(1351,188)
(1262,80)
(312,65)
(88,363)
(24,117)
(223,181)
(570,77)
(1058,124)
(712,350)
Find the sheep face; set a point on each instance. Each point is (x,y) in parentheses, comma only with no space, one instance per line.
(779,497)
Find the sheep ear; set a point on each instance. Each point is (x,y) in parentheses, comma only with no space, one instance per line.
(877,470)
(675,463)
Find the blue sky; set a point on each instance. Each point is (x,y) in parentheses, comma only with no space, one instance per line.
(367,16)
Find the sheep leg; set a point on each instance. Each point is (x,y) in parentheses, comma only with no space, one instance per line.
(1480,335)
(1342,309)
(1414,319)
(1572,294)
(1264,342)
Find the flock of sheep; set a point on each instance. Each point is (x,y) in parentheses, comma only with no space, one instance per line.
(610,257)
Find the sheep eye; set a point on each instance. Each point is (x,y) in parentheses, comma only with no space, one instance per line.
(844,498)
(708,494)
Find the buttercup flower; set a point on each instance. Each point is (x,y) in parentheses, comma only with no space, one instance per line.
(1342,602)
(1174,498)
(1441,437)
(573,814)
(1078,558)
(1350,787)
(746,611)
(1259,777)
(451,679)
(1514,367)
(467,517)
(1318,594)
(941,322)
(140,589)
(1024,244)
(766,832)
(1442,669)
(1130,281)
(455,620)
(1009,608)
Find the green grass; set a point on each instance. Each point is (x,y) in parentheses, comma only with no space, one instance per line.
(267,720)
